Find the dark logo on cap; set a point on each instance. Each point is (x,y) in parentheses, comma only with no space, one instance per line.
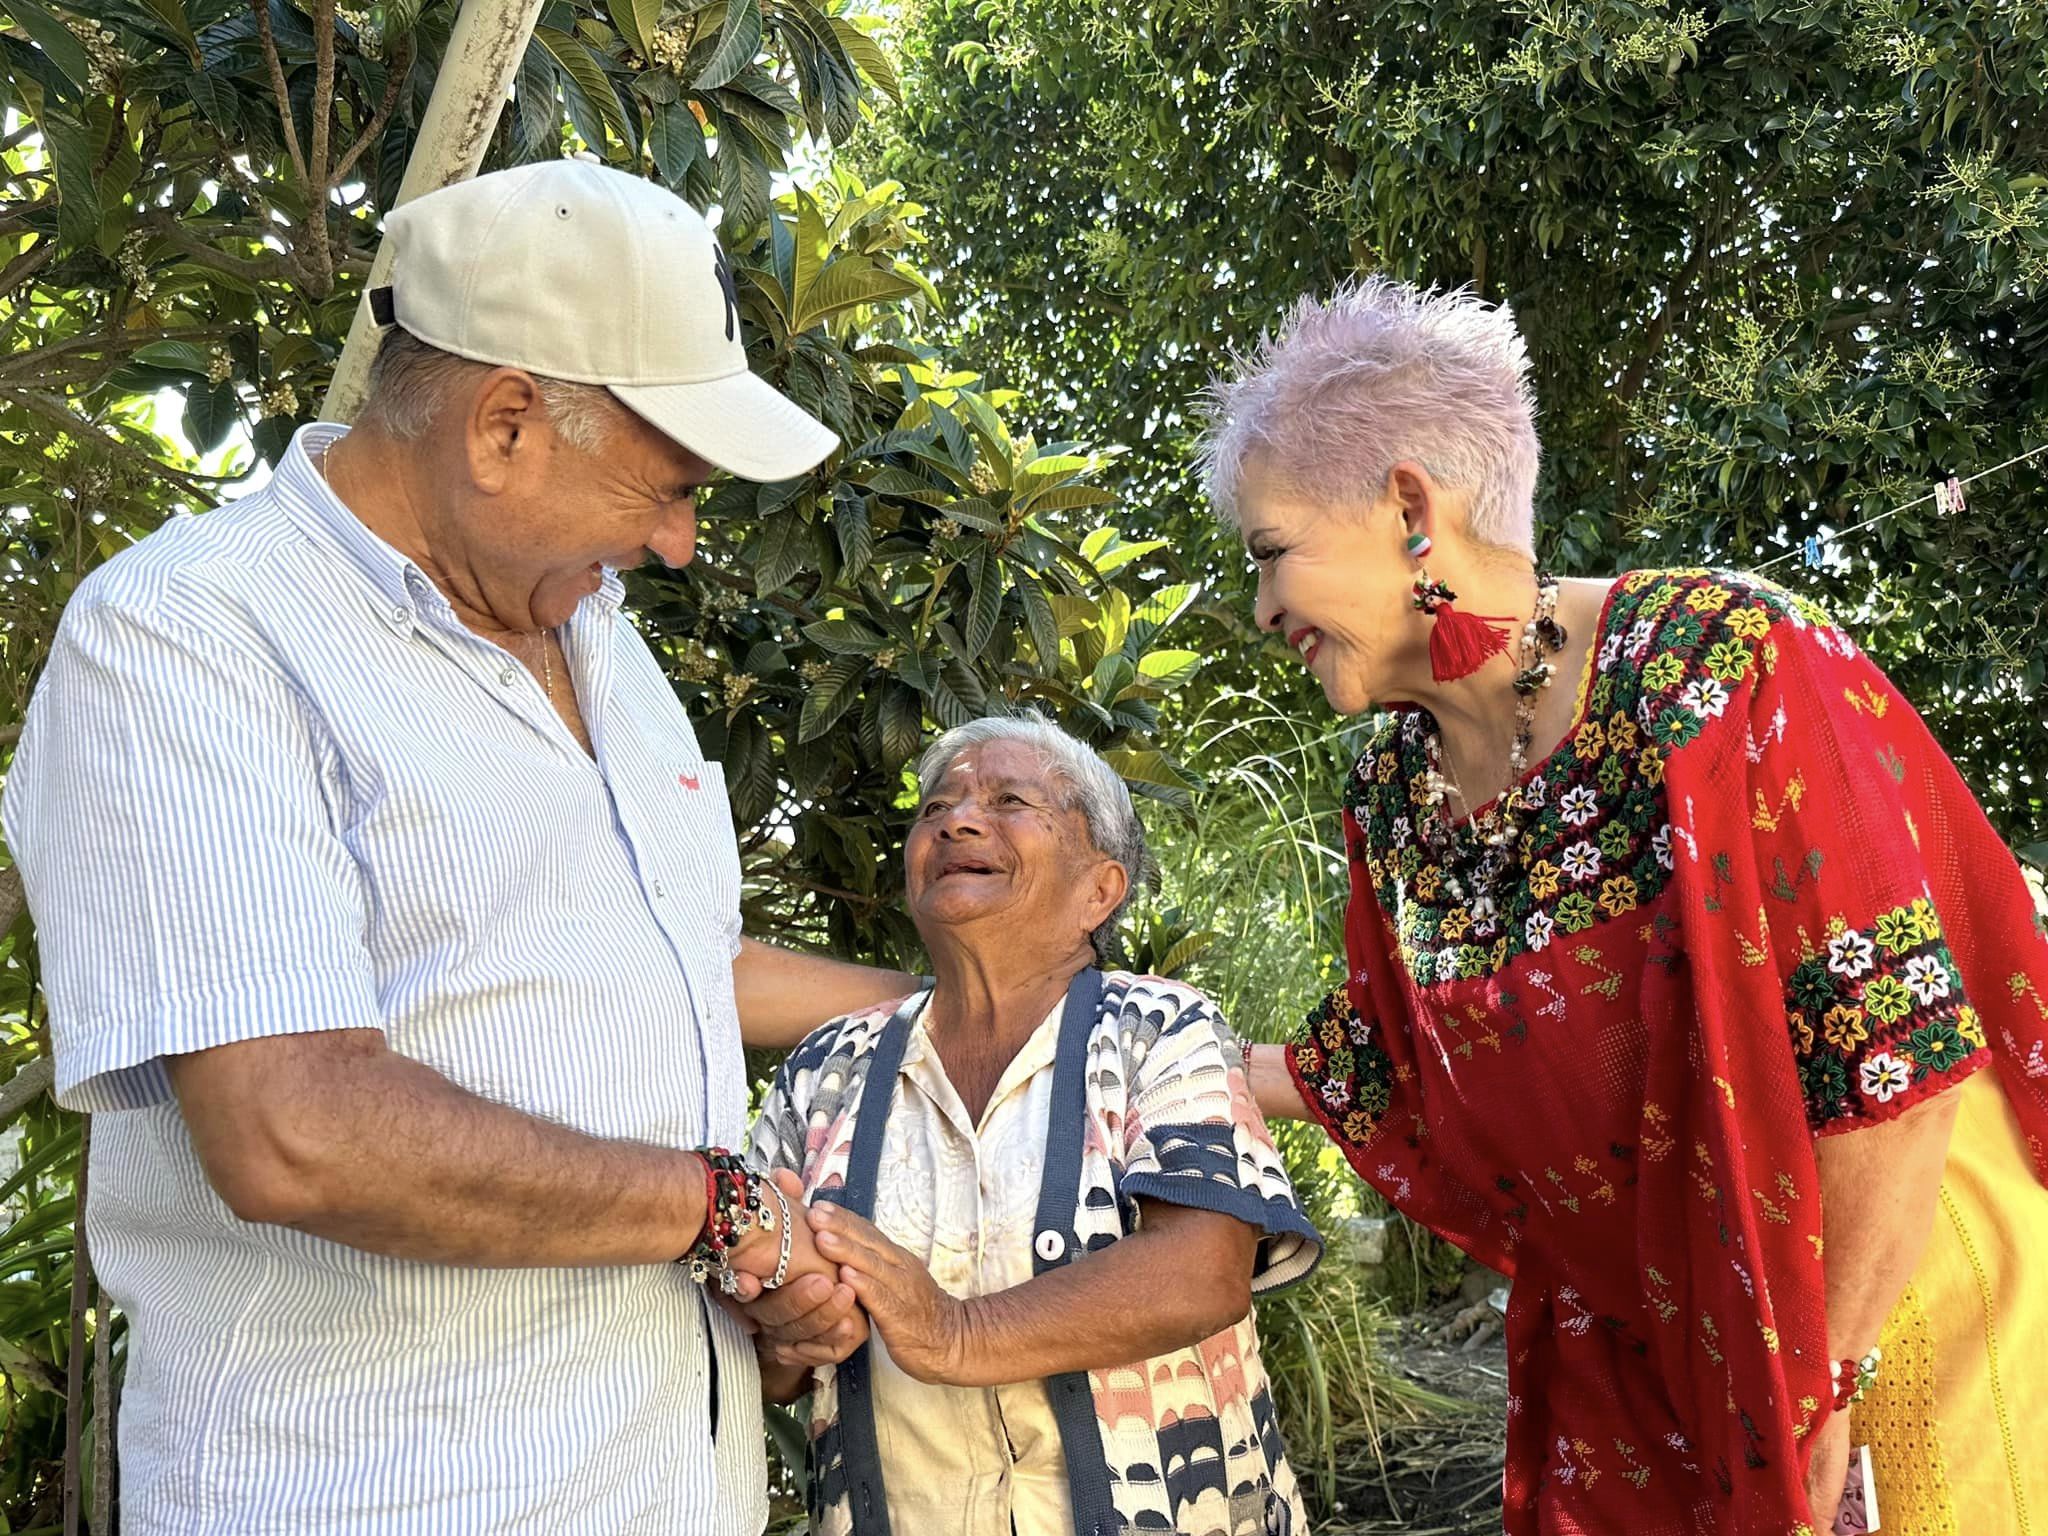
(723,270)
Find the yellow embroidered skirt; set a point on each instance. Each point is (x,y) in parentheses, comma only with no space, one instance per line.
(1958,1421)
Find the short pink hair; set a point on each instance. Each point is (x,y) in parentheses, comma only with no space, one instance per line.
(1383,372)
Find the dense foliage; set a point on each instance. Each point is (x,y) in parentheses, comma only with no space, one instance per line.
(1781,266)
(193,194)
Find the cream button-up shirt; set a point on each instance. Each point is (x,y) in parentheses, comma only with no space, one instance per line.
(962,1197)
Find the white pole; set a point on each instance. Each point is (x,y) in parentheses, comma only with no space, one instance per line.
(484,51)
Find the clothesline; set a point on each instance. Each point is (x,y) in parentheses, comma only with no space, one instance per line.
(1934,495)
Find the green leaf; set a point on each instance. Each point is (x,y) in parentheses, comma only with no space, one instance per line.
(845,637)
(1045,629)
(872,58)
(1147,766)
(739,39)
(985,575)
(902,726)
(78,197)
(590,78)
(779,550)
(55,39)
(676,140)
(855,532)
(830,696)
(845,284)
(172,14)
(637,21)
(1169,667)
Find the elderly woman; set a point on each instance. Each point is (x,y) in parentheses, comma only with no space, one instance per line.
(1667,985)
(1049,1188)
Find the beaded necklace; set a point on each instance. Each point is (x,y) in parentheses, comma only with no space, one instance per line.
(1497,827)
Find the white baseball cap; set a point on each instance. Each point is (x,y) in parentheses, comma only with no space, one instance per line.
(574,271)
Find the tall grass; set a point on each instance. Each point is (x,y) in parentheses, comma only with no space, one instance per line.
(1249,906)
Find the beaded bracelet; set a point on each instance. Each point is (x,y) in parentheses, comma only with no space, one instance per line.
(1852,1378)
(733,1207)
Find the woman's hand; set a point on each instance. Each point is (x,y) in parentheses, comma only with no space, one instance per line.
(1828,1472)
(925,1329)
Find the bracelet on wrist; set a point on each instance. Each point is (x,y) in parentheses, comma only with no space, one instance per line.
(733,1206)
(1852,1378)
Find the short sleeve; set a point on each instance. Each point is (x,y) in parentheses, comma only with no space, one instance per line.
(1193,1136)
(777,1138)
(1863,837)
(190,888)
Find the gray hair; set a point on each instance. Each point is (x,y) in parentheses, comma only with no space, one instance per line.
(1094,789)
(1383,372)
(411,381)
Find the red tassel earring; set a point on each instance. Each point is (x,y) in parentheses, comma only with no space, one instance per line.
(1459,643)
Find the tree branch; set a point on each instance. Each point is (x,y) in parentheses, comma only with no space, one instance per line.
(394,83)
(26,265)
(34,1078)
(280,89)
(54,410)
(271,268)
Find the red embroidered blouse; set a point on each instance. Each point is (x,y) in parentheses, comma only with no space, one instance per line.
(1753,904)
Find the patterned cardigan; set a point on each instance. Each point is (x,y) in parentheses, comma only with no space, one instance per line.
(1149,1100)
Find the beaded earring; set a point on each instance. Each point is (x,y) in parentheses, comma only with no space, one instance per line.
(1459,643)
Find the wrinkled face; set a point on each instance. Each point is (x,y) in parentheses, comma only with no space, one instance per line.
(557,515)
(1337,584)
(995,850)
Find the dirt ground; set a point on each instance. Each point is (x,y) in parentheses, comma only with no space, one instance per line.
(1436,1470)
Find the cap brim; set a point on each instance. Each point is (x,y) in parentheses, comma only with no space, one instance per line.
(740,423)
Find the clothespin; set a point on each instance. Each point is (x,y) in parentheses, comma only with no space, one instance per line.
(1811,549)
(1948,497)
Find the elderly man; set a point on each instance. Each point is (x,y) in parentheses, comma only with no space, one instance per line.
(1054,1194)
(389,919)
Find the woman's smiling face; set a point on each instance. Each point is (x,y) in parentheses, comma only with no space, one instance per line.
(997,839)
(1335,583)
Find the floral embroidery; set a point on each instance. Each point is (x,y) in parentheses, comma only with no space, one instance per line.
(1877,1013)
(1343,1065)
(1597,842)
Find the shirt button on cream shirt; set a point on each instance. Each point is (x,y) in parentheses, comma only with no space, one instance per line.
(976,1461)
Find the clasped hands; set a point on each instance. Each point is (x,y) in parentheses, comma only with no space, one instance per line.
(842,1274)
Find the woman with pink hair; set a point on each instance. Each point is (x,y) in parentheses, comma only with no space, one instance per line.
(1676,949)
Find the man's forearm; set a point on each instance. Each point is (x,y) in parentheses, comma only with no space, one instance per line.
(340,1137)
(783,995)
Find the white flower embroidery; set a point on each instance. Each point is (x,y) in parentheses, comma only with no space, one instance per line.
(1539,928)
(1706,696)
(1579,805)
(1639,637)
(1884,1076)
(1581,861)
(1610,652)
(1850,954)
(1928,978)
(1404,832)
(1661,846)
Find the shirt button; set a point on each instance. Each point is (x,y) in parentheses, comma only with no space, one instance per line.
(1050,1245)
(507,677)
(401,615)
(660,889)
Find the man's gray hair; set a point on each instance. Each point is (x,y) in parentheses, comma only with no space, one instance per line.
(1383,372)
(411,382)
(1094,789)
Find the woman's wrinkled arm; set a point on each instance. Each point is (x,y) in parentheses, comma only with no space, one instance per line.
(1273,1086)
(1183,1277)
(1879,1188)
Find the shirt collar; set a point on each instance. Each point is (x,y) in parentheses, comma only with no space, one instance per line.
(1035,1055)
(397,584)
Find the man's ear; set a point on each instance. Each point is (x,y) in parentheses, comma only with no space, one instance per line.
(504,411)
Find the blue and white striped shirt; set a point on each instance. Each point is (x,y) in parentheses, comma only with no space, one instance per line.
(270,784)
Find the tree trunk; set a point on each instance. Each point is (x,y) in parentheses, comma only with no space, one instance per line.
(483,55)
